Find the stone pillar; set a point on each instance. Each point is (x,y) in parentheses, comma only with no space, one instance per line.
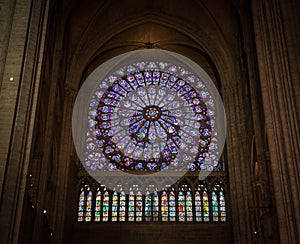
(64,169)
(20,79)
(238,143)
(279,89)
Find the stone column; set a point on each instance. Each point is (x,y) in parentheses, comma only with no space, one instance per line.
(64,169)
(238,143)
(20,79)
(279,91)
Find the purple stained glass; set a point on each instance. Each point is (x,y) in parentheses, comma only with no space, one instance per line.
(144,106)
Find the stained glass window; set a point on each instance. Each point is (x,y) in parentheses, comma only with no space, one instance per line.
(202,204)
(198,206)
(105,210)
(98,205)
(114,210)
(148,205)
(146,117)
(122,211)
(172,206)
(139,206)
(189,206)
(181,206)
(155,206)
(88,207)
(205,205)
(154,100)
(222,205)
(214,204)
(131,209)
(81,205)
(164,206)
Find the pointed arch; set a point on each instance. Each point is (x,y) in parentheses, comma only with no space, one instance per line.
(98,205)
(114,207)
(105,205)
(131,206)
(122,207)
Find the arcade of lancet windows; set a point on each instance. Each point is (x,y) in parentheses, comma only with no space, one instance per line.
(189,201)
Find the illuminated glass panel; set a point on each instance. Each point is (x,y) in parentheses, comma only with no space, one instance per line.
(198,206)
(114,207)
(172,206)
(88,207)
(214,204)
(155,206)
(144,117)
(181,206)
(131,207)
(122,212)
(205,206)
(164,206)
(98,205)
(81,205)
(139,206)
(222,206)
(148,212)
(105,206)
(189,206)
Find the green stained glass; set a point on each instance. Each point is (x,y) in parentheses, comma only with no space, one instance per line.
(172,206)
(88,207)
(222,206)
(105,206)
(139,206)
(131,207)
(98,205)
(81,205)
(114,211)
(122,210)
(148,213)
(198,206)
(155,206)
(214,203)
(205,206)
(189,206)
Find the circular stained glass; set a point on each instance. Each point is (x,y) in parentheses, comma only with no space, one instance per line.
(145,117)
(150,112)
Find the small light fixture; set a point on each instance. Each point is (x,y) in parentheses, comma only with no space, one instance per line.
(45,211)
(11,78)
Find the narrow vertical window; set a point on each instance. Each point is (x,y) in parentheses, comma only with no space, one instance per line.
(114,207)
(189,206)
(98,205)
(172,206)
(155,207)
(164,206)
(205,206)
(88,207)
(214,205)
(122,210)
(139,206)
(222,205)
(198,206)
(148,202)
(105,210)
(131,206)
(181,206)
(81,205)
